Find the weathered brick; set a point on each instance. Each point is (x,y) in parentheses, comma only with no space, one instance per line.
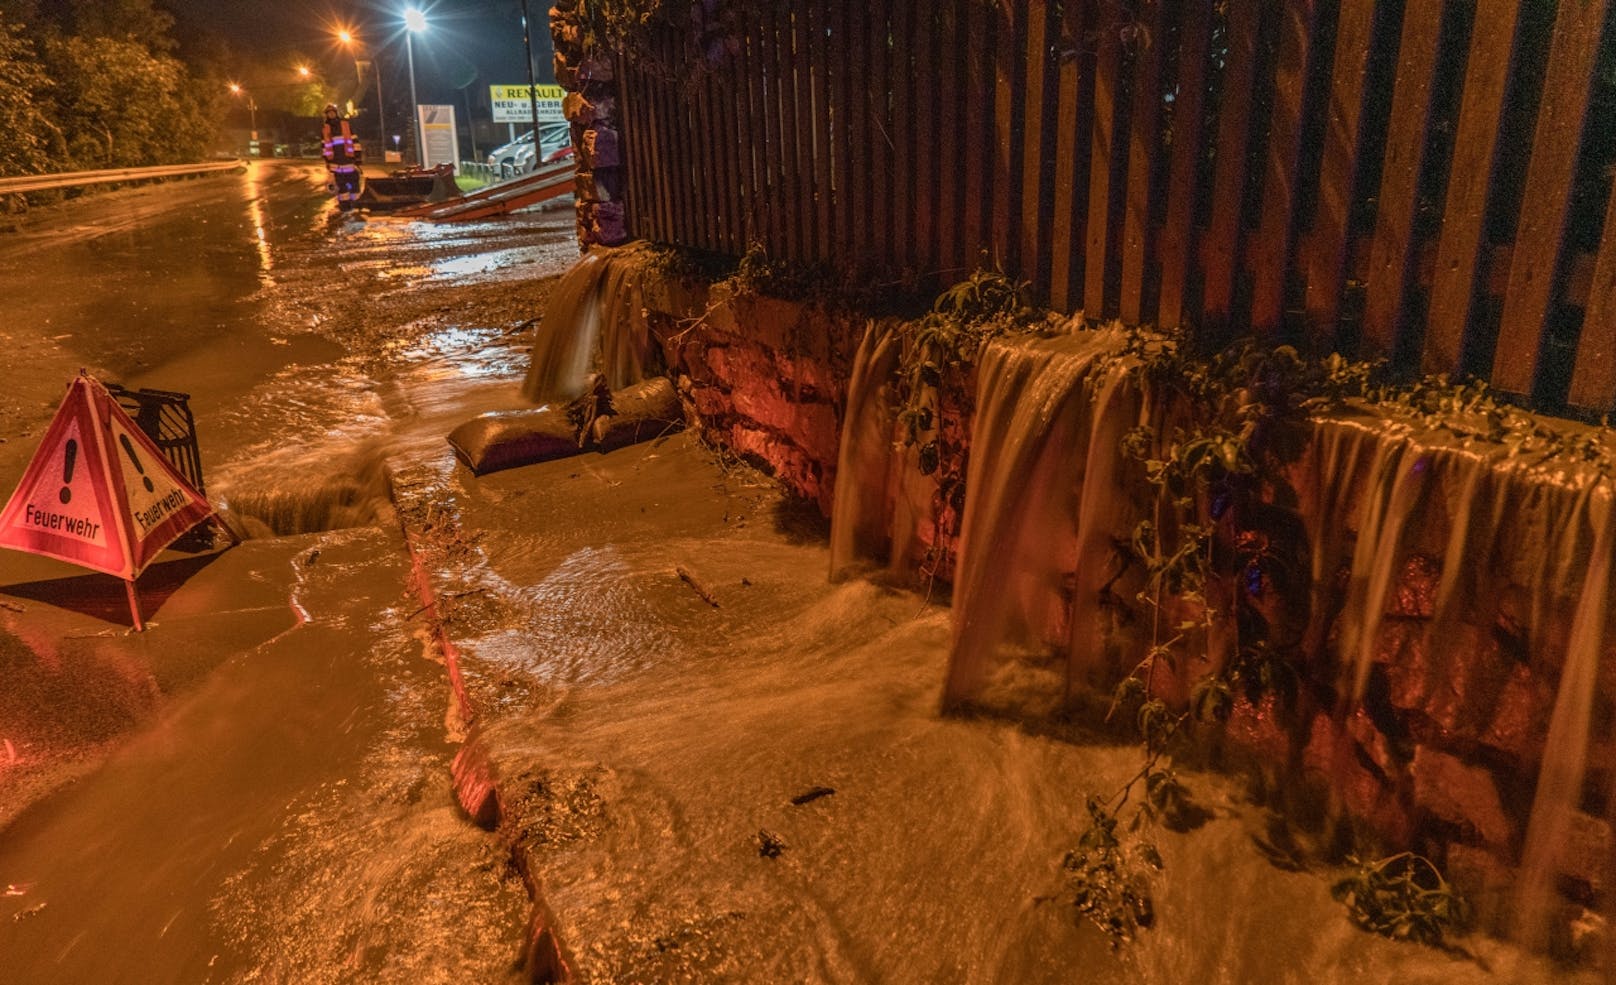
(1460,793)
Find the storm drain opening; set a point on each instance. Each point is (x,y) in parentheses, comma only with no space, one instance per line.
(309,494)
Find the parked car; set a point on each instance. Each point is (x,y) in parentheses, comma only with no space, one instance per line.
(524,157)
(518,154)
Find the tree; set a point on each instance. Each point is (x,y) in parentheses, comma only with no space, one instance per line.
(124,106)
(135,21)
(30,135)
(19,12)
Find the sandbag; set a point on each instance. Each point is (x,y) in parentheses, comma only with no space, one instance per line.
(639,413)
(508,438)
(600,419)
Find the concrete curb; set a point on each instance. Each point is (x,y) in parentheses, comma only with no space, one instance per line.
(545,960)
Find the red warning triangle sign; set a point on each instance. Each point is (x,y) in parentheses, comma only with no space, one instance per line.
(98,492)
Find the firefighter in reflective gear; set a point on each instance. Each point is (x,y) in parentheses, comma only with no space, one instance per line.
(343,156)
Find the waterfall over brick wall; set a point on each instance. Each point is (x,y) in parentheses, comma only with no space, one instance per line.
(595,323)
(1437,602)
(1043,510)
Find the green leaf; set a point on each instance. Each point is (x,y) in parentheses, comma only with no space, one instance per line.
(1211,701)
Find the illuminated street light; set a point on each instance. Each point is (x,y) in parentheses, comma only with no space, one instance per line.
(416,22)
(252,105)
(351,43)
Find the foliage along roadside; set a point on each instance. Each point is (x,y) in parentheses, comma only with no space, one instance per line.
(939,351)
(94,84)
(99,88)
(1207,562)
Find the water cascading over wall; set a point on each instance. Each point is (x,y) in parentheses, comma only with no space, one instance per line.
(1043,511)
(595,322)
(1443,606)
(1449,621)
(883,508)
(1476,603)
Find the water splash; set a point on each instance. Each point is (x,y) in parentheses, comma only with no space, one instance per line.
(595,322)
(303,490)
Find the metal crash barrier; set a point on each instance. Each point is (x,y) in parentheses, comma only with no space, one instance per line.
(78,179)
(548,182)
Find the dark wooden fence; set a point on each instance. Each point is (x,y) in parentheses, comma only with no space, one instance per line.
(1427,180)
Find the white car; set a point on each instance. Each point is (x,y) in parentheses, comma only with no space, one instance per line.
(518,154)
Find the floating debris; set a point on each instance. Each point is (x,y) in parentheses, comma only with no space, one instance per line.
(695,586)
(770,845)
(809,796)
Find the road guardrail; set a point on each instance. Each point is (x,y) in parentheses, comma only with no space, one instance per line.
(77,179)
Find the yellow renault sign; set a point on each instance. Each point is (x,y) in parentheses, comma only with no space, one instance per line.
(511,103)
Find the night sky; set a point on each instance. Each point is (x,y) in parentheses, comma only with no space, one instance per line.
(474,43)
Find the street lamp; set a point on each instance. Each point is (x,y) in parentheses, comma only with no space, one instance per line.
(252,106)
(350,42)
(415,21)
(532,88)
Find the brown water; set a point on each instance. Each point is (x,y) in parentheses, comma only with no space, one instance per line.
(1506,525)
(254,830)
(596,325)
(655,736)
(263,789)
(869,463)
(1044,500)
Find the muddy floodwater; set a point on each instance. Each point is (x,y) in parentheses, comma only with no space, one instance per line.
(755,786)
(256,788)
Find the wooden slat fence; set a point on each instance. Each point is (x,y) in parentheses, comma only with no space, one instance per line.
(1423,180)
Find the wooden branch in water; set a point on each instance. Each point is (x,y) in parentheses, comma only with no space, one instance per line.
(695,586)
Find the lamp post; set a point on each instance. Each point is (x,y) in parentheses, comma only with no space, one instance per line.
(252,107)
(532,88)
(350,42)
(414,21)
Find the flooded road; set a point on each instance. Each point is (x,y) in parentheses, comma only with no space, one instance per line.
(257,788)
(287,819)
(757,790)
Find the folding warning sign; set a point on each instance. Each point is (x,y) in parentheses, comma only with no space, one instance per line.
(98,493)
